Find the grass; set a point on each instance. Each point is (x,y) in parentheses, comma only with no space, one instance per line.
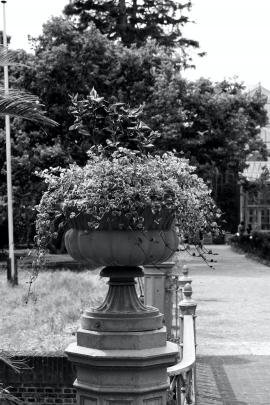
(233,306)
(47,323)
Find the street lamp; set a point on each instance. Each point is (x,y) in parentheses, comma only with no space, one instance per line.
(8,158)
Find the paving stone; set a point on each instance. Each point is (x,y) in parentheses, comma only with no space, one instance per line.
(233,380)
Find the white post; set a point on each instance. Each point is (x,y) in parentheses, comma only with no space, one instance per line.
(8,157)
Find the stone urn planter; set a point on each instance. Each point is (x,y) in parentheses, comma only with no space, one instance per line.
(121,248)
(119,211)
(121,354)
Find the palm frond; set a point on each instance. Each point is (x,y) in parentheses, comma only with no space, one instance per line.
(9,361)
(23,105)
(8,57)
(7,398)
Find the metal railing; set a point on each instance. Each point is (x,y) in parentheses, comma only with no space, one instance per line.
(182,375)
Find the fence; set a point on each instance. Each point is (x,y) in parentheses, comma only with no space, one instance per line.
(171,293)
(183,374)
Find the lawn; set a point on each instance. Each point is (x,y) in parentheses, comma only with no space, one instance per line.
(47,323)
(233,306)
(50,318)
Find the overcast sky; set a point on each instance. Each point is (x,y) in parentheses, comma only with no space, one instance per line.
(234,33)
(25,17)
(236,36)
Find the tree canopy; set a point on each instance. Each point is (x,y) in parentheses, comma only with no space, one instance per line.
(214,124)
(134,22)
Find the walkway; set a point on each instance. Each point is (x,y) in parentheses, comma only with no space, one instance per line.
(233,380)
(233,329)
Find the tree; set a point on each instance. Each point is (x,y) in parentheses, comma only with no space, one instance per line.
(133,22)
(215,125)
(69,62)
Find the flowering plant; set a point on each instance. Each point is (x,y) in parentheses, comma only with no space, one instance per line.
(126,191)
(122,186)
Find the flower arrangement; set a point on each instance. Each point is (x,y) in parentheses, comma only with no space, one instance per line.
(121,188)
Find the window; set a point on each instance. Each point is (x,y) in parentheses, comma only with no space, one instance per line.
(252,216)
(265,218)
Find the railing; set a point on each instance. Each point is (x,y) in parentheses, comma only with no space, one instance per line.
(178,282)
(183,374)
(171,292)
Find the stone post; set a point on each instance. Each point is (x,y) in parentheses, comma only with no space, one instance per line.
(121,353)
(183,280)
(187,307)
(158,290)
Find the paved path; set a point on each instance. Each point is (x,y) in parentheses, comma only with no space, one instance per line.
(233,380)
(233,329)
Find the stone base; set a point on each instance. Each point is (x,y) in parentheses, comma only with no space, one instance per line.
(155,398)
(121,354)
(122,376)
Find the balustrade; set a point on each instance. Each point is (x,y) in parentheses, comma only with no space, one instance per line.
(179,283)
(183,374)
(172,294)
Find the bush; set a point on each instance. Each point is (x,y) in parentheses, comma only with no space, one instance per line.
(258,243)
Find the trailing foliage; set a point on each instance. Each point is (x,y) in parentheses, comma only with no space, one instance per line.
(126,191)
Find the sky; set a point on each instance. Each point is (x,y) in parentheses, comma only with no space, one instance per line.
(236,36)
(234,33)
(26,17)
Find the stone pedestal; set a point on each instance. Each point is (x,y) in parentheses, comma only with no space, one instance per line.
(158,290)
(121,352)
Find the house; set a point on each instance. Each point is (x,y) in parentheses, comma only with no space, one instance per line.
(255,198)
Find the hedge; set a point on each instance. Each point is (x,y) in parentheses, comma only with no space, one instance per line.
(257,244)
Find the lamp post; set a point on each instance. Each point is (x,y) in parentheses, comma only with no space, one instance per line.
(8,159)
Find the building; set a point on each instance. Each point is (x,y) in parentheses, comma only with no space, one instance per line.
(255,199)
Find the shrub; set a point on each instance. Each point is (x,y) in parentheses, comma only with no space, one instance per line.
(258,243)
